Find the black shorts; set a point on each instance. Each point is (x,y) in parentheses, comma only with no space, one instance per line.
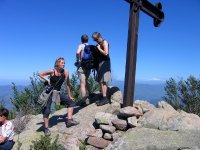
(64,100)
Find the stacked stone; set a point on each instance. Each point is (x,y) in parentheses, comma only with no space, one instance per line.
(110,127)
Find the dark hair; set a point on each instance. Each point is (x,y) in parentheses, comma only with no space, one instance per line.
(4,112)
(96,35)
(84,38)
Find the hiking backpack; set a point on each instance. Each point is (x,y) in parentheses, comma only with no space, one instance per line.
(89,57)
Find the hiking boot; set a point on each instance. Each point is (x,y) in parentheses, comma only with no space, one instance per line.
(99,100)
(103,102)
(71,122)
(47,132)
(81,104)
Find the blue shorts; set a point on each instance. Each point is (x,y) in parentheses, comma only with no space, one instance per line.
(7,145)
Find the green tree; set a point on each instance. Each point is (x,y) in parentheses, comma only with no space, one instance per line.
(75,86)
(46,143)
(26,100)
(93,85)
(172,95)
(2,103)
(184,94)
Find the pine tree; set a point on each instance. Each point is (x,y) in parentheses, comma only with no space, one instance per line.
(184,94)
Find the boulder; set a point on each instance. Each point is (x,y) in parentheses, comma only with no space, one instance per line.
(146,139)
(104,118)
(143,105)
(120,124)
(108,128)
(98,142)
(129,112)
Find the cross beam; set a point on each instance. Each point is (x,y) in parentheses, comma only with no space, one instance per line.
(131,56)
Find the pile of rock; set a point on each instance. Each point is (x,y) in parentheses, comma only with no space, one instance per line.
(110,127)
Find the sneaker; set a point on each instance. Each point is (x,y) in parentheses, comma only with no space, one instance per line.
(47,132)
(103,102)
(71,122)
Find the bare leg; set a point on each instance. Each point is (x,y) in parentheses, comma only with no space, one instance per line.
(70,121)
(104,99)
(70,112)
(47,132)
(46,122)
(103,88)
(83,90)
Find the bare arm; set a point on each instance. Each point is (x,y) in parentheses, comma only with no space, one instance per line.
(67,84)
(8,132)
(2,139)
(45,73)
(105,45)
(78,53)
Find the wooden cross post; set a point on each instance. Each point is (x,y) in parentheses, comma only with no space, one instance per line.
(131,56)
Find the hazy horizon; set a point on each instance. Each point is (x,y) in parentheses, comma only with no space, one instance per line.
(34,33)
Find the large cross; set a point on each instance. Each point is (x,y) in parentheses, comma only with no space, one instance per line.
(155,11)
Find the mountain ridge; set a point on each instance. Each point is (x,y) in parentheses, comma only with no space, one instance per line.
(150,92)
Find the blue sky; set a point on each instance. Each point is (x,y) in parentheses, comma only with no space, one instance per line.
(33,33)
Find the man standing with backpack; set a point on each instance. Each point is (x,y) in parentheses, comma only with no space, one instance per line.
(83,72)
(104,66)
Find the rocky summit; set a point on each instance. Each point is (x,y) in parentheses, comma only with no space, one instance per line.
(139,127)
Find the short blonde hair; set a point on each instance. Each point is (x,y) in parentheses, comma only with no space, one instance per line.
(57,61)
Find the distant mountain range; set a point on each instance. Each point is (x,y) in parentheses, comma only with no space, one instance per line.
(143,91)
(6,93)
(149,91)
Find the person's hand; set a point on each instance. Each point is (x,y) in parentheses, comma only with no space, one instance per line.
(98,46)
(2,139)
(70,97)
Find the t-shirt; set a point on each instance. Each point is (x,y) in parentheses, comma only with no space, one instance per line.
(7,130)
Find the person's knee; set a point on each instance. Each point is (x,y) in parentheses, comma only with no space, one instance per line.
(83,82)
(7,145)
(103,83)
(46,113)
(72,104)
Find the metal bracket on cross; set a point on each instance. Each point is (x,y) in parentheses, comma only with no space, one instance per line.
(155,11)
